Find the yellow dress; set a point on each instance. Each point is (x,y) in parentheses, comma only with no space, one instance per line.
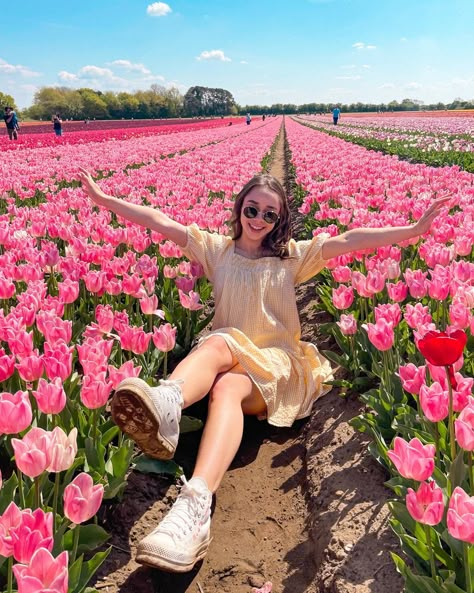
(256,314)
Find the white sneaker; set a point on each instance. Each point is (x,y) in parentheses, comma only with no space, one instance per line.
(183,537)
(149,415)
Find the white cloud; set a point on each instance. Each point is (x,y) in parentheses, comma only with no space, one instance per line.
(243,62)
(387,85)
(413,85)
(355,77)
(360,45)
(213,54)
(130,66)
(158,9)
(95,71)
(67,76)
(6,68)
(403,39)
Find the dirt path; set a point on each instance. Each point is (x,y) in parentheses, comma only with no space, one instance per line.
(300,507)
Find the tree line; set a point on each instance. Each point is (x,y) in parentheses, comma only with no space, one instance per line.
(198,101)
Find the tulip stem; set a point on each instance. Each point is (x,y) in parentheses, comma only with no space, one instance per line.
(20,488)
(10,575)
(75,544)
(430,548)
(471,472)
(452,439)
(467,568)
(57,482)
(37,492)
(165,365)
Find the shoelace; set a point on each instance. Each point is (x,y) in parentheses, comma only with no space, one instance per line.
(188,507)
(175,394)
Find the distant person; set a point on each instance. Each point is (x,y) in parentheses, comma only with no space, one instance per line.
(263,117)
(230,123)
(11,121)
(248,119)
(336,112)
(57,125)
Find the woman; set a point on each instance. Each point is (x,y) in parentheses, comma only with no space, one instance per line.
(252,362)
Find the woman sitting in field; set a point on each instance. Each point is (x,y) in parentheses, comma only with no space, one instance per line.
(252,362)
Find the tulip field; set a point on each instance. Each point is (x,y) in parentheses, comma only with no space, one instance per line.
(89,299)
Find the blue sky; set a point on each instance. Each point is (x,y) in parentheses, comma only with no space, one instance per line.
(262,51)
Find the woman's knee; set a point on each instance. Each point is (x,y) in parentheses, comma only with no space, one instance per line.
(218,349)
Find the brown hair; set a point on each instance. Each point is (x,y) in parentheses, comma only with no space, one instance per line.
(277,240)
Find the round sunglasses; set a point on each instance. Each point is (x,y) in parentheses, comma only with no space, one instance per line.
(269,216)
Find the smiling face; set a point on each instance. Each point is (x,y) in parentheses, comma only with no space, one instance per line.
(264,200)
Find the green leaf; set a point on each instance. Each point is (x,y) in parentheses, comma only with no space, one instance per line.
(7,493)
(147,465)
(91,536)
(457,471)
(336,358)
(75,573)
(89,569)
(190,424)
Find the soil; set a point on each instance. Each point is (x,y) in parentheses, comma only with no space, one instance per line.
(302,507)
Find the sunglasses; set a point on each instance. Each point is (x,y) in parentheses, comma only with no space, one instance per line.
(269,216)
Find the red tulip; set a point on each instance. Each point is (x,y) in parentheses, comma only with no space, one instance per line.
(442,349)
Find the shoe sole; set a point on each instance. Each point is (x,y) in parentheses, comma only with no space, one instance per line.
(134,413)
(154,561)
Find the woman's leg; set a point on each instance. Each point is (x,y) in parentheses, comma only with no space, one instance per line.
(200,368)
(231,396)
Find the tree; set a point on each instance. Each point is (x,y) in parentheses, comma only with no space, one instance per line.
(7,101)
(201,100)
(94,104)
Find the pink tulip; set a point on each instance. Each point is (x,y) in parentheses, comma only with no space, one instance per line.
(95,391)
(342,297)
(461,516)
(15,412)
(347,324)
(44,573)
(342,274)
(34,531)
(164,337)
(380,334)
(58,360)
(416,282)
(82,499)
(426,505)
(459,315)
(50,397)
(417,315)
(412,377)
(397,292)
(413,460)
(33,452)
(464,427)
(63,449)
(391,313)
(10,520)
(31,368)
(127,370)
(21,344)
(190,301)
(7,288)
(169,272)
(68,291)
(434,402)
(7,365)
(104,315)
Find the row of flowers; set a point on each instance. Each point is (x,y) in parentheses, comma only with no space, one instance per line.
(86,301)
(432,149)
(403,317)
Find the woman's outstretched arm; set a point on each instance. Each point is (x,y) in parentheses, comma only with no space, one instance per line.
(364,238)
(143,215)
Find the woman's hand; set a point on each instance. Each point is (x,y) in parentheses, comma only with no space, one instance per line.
(424,223)
(90,187)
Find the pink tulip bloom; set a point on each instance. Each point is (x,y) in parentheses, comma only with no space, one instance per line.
(397,292)
(31,367)
(44,573)
(380,334)
(417,315)
(342,274)
(33,452)
(120,320)
(190,301)
(464,427)
(82,499)
(164,337)
(95,282)
(412,377)
(461,516)
(459,315)
(342,297)
(413,460)
(149,305)
(57,360)
(15,412)
(462,392)
(95,391)
(34,531)
(347,324)
(434,402)
(426,505)
(7,288)
(127,370)
(267,588)
(416,282)
(21,344)
(132,285)
(7,365)
(184,284)
(10,520)
(169,272)
(63,449)
(68,291)
(359,282)
(50,397)
(375,282)
(391,313)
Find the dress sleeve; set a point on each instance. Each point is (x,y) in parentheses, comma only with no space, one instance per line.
(309,257)
(205,248)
